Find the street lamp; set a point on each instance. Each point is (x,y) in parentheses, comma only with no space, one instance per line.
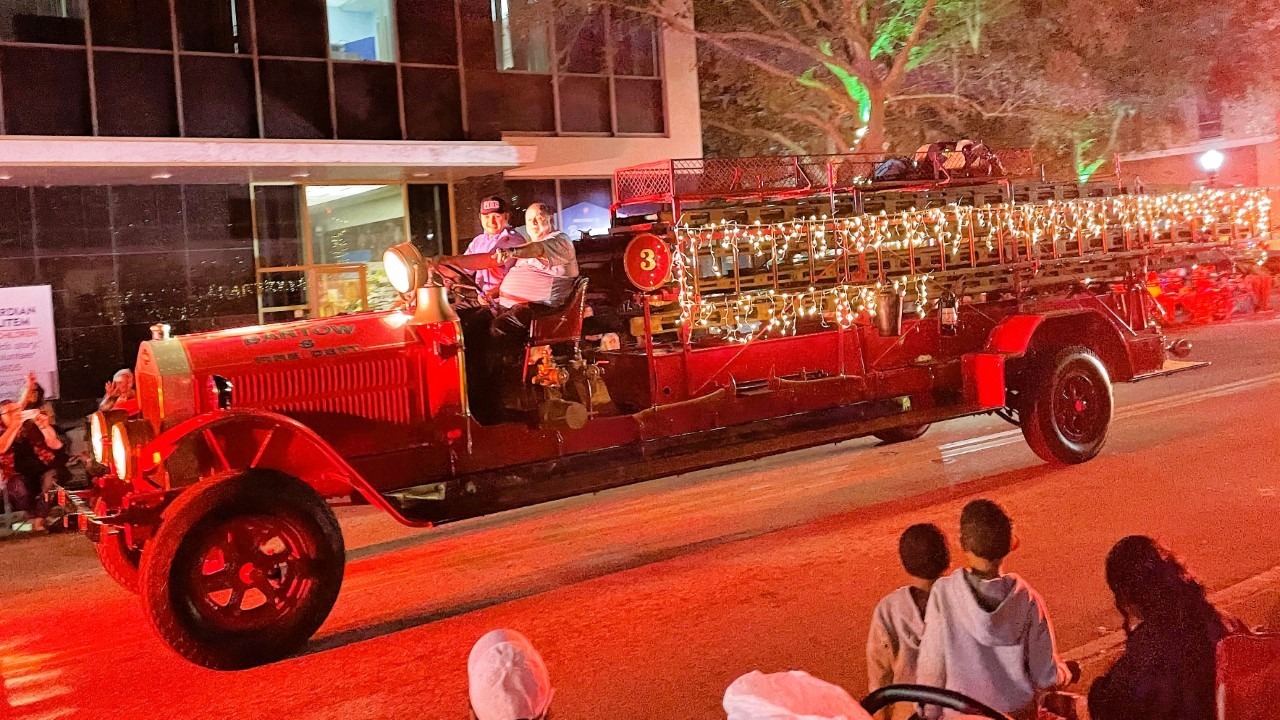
(1211,162)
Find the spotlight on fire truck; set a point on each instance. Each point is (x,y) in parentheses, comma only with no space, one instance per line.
(100,434)
(405,268)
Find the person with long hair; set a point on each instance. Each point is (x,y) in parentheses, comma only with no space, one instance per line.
(1172,631)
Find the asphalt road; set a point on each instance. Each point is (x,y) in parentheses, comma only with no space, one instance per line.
(647,601)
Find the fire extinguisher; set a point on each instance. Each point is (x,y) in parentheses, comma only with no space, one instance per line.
(949,313)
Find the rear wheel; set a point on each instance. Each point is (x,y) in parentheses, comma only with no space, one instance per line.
(1068,407)
(901,434)
(119,560)
(243,570)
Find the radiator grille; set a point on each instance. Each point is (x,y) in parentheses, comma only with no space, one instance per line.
(377,389)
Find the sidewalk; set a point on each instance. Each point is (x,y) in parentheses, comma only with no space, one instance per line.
(1255,600)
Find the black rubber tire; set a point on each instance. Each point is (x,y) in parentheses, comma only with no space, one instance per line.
(905,433)
(120,561)
(200,508)
(1040,425)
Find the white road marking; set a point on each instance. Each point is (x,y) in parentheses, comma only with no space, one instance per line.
(951,452)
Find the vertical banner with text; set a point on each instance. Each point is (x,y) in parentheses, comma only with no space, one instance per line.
(27,343)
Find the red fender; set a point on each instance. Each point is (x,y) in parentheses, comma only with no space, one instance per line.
(1012,336)
(252,439)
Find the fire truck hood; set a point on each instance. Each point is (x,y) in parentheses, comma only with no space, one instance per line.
(173,374)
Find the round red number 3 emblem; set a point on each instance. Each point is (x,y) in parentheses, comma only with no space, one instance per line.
(647,262)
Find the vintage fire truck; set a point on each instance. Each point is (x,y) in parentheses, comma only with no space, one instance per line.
(739,308)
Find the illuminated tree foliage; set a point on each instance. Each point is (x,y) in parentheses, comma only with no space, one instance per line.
(1078,78)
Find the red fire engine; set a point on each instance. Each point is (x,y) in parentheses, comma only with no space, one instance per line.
(761,305)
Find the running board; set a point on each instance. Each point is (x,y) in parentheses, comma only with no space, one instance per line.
(1171,367)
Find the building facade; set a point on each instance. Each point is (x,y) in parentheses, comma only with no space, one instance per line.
(216,163)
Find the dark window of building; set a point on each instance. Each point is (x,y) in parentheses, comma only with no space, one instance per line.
(428,31)
(635,45)
(278,209)
(29,106)
(284,289)
(87,357)
(153,286)
(523,193)
(222,282)
(433,104)
(295,99)
(147,217)
(84,290)
(367,101)
(136,94)
(584,104)
(218,217)
(639,106)
(220,26)
(218,97)
(522,35)
(584,207)
(72,220)
(361,30)
(130,23)
(1209,117)
(528,104)
(580,40)
(429,218)
(291,28)
(16,239)
(42,21)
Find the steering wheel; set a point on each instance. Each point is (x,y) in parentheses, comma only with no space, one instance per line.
(925,695)
(459,283)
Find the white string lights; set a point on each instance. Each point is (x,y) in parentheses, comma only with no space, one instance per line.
(745,281)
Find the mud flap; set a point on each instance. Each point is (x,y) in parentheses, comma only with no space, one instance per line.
(984,386)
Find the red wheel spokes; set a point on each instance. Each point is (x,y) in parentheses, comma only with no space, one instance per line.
(250,571)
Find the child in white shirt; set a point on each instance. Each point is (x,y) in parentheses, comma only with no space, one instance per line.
(898,621)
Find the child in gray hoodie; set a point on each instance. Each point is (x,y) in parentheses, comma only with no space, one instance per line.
(987,633)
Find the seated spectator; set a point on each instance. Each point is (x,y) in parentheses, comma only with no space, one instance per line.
(794,695)
(1167,670)
(121,394)
(898,621)
(987,634)
(507,679)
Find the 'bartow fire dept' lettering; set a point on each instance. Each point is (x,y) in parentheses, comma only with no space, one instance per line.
(15,317)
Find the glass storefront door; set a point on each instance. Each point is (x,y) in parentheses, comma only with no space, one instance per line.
(319,247)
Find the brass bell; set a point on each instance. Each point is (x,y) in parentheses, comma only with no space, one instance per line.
(431,305)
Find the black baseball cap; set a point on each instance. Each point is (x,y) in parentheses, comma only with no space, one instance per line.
(494,204)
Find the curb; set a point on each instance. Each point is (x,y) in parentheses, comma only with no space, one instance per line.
(1226,599)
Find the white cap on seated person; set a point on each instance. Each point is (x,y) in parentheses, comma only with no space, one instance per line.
(794,695)
(507,678)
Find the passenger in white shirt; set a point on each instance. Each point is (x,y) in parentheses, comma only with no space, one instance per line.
(545,267)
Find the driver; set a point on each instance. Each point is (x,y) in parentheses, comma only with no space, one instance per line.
(495,218)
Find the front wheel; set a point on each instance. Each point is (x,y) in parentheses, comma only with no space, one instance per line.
(119,560)
(1068,407)
(901,434)
(243,570)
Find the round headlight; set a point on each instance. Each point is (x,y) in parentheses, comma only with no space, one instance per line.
(404,266)
(100,434)
(127,438)
(120,451)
